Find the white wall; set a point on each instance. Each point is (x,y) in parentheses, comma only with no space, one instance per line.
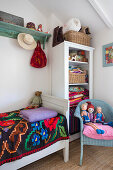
(53,22)
(18,80)
(103,76)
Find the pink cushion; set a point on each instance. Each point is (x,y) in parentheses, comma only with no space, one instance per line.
(91,133)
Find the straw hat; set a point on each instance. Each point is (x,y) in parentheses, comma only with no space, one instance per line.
(26,41)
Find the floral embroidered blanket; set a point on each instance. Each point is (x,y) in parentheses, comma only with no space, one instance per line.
(19,138)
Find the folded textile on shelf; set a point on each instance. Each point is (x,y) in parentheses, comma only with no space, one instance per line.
(76,100)
(77,94)
(76,89)
(75,69)
(71,94)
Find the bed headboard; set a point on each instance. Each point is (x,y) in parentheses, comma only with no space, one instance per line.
(58,104)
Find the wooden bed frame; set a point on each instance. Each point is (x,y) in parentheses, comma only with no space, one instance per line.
(61,106)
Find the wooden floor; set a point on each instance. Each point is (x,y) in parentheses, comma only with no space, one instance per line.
(95,158)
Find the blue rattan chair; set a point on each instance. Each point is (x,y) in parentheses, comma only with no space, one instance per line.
(108,112)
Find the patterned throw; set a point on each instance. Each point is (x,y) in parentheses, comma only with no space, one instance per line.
(19,138)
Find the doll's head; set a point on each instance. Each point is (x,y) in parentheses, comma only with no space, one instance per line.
(99,109)
(90,107)
(84,106)
(38,93)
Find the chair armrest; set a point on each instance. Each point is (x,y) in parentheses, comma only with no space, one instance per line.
(77,114)
(110,114)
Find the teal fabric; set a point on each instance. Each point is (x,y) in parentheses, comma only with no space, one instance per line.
(108,112)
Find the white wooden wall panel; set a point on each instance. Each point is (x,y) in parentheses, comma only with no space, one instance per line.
(57,73)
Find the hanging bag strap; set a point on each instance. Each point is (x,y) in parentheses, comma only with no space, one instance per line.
(38,44)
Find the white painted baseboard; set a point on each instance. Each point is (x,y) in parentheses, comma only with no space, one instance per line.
(74,137)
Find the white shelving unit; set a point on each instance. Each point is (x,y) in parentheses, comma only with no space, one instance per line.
(77,63)
(78,84)
(60,70)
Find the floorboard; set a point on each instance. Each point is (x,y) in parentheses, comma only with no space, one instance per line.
(95,158)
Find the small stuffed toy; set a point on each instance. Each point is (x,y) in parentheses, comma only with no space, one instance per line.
(36,100)
(90,109)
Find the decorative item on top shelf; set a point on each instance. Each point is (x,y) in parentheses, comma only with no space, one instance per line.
(39,28)
(57,36)
(73,24)
(77,37)
(78,56)
(31,25)
(108,55)
(85,30)
(12,19)
(75,33)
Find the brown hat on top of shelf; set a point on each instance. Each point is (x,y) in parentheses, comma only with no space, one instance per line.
(31,25)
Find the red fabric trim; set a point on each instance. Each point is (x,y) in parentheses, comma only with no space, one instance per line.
(33,151)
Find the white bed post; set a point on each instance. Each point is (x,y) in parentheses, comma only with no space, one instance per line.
(66,149)
(62,106)
(66,152)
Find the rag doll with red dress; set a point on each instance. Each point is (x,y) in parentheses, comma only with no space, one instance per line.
(90,109)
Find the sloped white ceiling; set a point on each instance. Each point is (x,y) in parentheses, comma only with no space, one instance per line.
(82,9)
(107,6)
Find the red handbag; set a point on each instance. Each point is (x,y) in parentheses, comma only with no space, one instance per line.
(38,59)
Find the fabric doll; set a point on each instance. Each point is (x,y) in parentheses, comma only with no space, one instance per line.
(84,113)
(99,116)
(90,109)
(86,119)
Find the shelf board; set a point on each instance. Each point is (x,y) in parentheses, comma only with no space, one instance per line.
(78,84)
(77,62)
(12,31)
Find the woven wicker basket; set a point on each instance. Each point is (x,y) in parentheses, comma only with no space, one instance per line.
(77,37)
(76,78)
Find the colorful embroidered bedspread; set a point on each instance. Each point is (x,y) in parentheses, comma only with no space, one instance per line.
(19,138)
